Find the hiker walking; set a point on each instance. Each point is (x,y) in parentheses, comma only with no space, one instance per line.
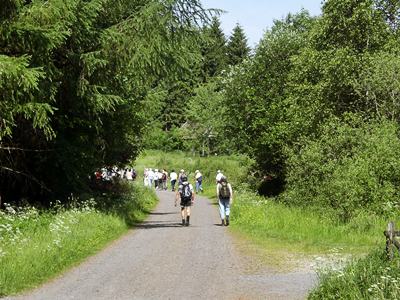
(173,177)
(164,178)
(224,195)
(185,194)
(181,173)
(150,177)
(199,181)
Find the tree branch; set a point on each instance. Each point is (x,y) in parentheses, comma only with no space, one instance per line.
(22,149)
(41,184)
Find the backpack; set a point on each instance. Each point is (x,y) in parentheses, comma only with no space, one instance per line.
(224,191)
(186,193)
(164,176)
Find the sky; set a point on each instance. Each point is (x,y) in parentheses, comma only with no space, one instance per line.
(255,16)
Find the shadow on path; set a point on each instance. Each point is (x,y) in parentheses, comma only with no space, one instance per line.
(157,225)
(163,213)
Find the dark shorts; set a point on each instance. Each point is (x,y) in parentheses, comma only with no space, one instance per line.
(186,202)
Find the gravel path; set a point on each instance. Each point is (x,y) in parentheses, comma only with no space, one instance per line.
(160,259)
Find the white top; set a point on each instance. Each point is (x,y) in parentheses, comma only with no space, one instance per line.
(150,175)
(129,175)
(198,175)
(180,187)
(173,176)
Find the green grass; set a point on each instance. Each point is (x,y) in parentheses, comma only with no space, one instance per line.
(373,277)
(36,246)
(302,229)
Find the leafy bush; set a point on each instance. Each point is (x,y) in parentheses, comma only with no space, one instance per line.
(351,166)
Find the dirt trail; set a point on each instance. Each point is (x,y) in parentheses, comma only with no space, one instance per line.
(162,260)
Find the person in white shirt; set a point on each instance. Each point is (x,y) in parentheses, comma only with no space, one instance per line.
(128,174)
(199,181)
(173,177)
(150,177)
(160,179)
(146,177)
(225,199)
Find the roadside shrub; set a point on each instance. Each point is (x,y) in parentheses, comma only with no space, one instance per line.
(353,165)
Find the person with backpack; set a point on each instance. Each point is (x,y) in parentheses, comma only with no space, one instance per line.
(225,198)
(186,195)
(199,181)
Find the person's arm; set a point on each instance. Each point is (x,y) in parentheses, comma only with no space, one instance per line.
(193,194)
(218,191)
(176,196)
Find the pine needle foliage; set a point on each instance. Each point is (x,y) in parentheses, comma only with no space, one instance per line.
(75,76)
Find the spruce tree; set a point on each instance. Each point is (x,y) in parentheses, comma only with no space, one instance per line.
(214,49)
(237,49)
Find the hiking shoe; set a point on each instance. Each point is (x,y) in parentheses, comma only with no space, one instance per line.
(227,221)
(222,222)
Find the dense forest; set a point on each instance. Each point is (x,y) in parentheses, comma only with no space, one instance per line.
(86,84)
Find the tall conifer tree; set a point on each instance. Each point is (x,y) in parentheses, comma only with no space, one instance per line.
(214,49)
(237,49)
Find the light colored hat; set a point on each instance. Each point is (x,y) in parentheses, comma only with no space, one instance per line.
(182,171)
(197,171)
(156,170)
(219,171)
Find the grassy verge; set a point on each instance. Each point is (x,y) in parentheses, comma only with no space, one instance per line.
(294,229)
(373,277)
(35,246)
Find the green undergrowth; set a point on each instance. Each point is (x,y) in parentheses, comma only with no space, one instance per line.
(37,245)
(302,230)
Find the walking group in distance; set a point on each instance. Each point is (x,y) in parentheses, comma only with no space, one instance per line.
(185,192)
